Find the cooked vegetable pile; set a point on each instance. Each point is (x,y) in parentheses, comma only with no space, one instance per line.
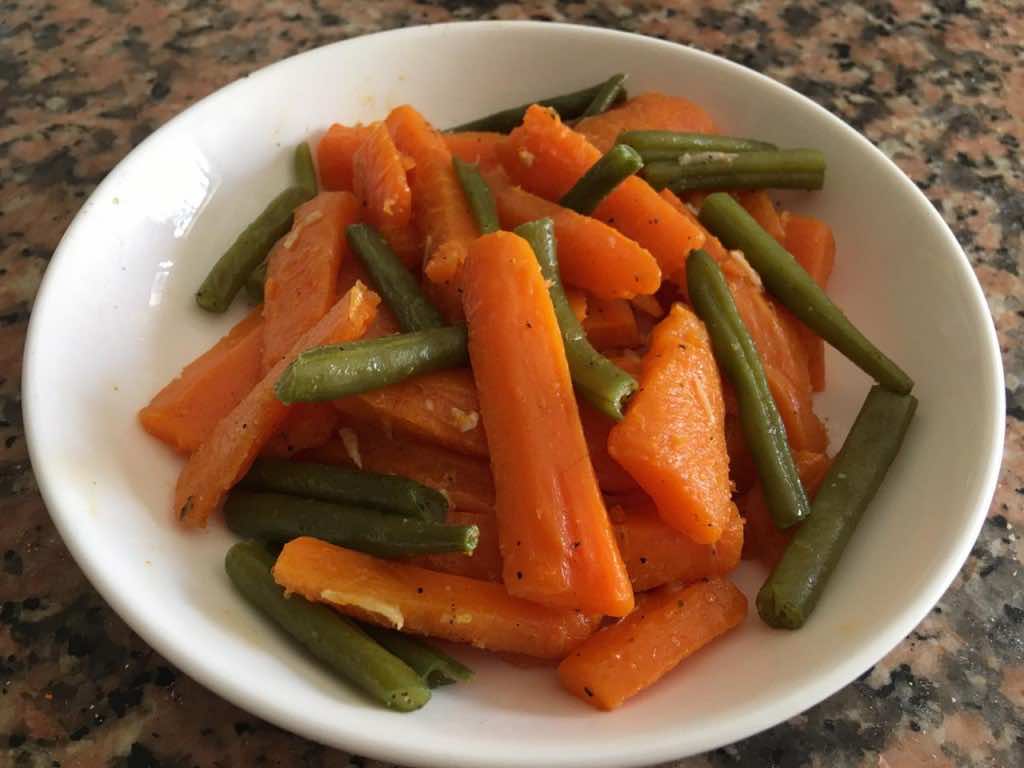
(534,384)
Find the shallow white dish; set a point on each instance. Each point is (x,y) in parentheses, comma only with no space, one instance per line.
(115,320)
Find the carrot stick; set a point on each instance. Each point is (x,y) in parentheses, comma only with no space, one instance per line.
(621,660)
(591,255)
(556,541)
(237,439)
(334,155)
(611,476)
(811,242)
(478,147)
(307,426)
(185,411)
(380,183)
(760,206)
(547,157)
(611,324)
(645,112)
(302,271)
(484,563)
(352,271)
(413,599)
(672,440)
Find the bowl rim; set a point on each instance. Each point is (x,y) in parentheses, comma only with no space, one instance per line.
(443,752)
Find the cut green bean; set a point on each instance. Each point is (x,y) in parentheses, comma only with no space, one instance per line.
(254,283)
(615,166)
(738,357)
(792,590)
(568,106)
(790,284)
(250,248)
(387,493)
(669,145)
(601,383)
(783,169)
(333,639)
(339,370)
(611,91)
(276,517)
(305,171)
(478,195)
(413,310)
(436,668)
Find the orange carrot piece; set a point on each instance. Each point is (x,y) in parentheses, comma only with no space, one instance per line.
(764,541)
(621,660)
(307,426)
(804,430)
(811,242)
(440,407)
(442,215)
(413,599)
(234,443)
(672,440)
(646,112)
(577,303)
(302,271)
(352,271)
(380,183)
(556,541)
(479,147)
(611,324)
(547,157)
(185,411)
(611,477)
(656,554)
(761,208)
(485,561)
(591,255)
(335,153)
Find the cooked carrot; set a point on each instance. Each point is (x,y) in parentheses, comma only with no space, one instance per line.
(760,206)
(443,218)
(478,147)
(236,440)
(611,324)
(645,112)
(611,477)
(804,430)
(302,271)
(672,440)
(657,554)
(811,242)
(484,563)
(591,255)
(307,426)
(185,411)
(763,540)
(577,303)
(352,271)
(621,660)
(334,155)
(380,183)
(465,480)
(440,407)
(741,464)
(556,541)
(413,599)
(547,157)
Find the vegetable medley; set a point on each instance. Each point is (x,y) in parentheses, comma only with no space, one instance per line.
(534,384)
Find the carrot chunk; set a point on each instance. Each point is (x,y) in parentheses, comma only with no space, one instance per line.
(478,147)
(611,324)
(811,242)
(335,153)
(645,112)
(380,183)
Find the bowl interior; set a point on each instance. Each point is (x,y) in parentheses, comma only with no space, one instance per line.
(115,320)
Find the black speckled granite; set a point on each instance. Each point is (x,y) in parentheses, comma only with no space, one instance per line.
(938,86)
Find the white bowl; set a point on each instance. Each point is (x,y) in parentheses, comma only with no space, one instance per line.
(115,320)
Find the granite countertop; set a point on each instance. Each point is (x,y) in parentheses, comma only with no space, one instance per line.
(939,86)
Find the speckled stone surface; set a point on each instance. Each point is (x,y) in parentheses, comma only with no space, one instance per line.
(938,86)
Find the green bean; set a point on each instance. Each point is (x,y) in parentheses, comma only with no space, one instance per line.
(615,166)
(669,145)
(568,106)
(601,383)
(739,359)
(478,195)
(782,169)
(611,91)
(333,639)
(338,370)
(387,493)
(792,590)
(275,517)
(251,247)
(400,290)
(790,283)
(436,668)
(254,283)
(305,171)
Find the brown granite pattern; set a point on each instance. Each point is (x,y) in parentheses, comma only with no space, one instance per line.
(938,85)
